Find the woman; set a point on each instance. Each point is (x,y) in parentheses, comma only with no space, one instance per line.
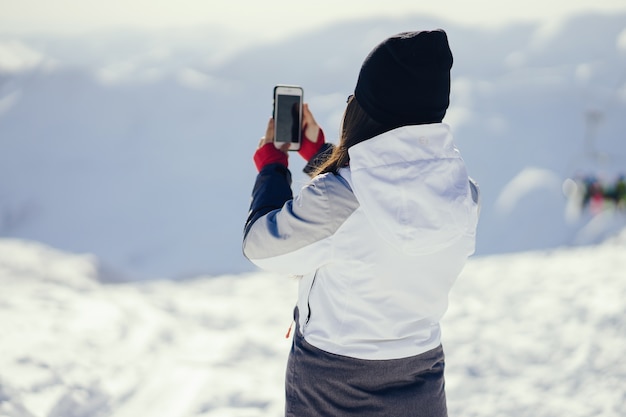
(378,236)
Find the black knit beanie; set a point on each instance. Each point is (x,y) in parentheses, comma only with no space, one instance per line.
(406,79)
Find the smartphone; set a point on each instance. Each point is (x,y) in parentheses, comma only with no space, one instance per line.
(288,116)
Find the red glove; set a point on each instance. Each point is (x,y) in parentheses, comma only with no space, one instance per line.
(308,148)
(310,145)
(269,154)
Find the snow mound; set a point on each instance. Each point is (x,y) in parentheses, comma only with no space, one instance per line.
(28,260)
(530,205)
(602,227)
(31,261)
(527,182)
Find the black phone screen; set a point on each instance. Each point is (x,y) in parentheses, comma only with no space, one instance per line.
(287,120)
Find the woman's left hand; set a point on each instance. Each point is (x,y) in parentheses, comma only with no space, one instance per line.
(312,135)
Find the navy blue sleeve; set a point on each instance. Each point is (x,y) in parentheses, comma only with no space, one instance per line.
(271,191)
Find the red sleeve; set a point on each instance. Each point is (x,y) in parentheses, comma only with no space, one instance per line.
(309,149)
(268,154)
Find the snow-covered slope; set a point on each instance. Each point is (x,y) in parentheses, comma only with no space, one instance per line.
(537,333)
(74,346)
(137,146)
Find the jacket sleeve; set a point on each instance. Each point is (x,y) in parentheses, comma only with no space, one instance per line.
(272,189)
(296,238)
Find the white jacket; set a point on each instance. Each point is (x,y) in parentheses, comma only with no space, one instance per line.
(378,246)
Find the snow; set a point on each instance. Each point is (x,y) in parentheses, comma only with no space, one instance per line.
(522,185)
(535,333)
(539,333)
(74,346)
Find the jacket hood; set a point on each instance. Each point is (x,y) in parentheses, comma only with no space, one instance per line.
(413,187)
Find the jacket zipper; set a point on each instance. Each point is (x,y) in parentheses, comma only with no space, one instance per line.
(308,302)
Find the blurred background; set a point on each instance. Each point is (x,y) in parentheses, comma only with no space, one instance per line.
(127,128)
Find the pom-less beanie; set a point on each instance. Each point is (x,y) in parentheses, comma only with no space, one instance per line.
(405,80)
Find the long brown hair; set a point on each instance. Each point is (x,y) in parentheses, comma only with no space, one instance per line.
(356,127)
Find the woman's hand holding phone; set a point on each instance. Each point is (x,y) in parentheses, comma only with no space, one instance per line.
(267,153)
(313,140)
(312,135)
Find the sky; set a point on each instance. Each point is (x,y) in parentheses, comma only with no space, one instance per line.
(507,100)
(268,18)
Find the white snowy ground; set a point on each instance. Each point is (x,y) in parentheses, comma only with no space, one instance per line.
(529,334)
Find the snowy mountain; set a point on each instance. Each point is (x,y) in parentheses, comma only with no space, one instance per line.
(537,333)
(137,147)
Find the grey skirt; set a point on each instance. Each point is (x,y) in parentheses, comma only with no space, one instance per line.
(319,383)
